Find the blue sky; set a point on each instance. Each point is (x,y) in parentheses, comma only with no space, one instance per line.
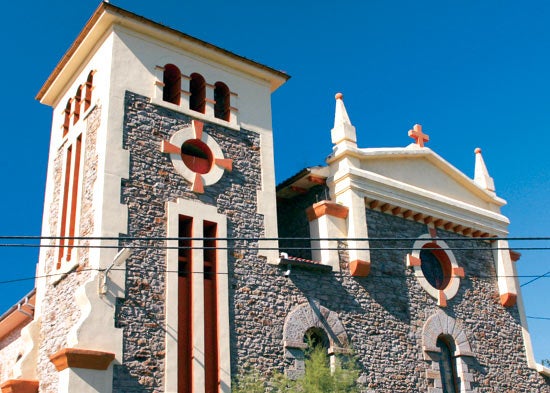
(474,74)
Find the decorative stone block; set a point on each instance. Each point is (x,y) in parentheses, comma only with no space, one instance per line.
(81,358)
(19,386)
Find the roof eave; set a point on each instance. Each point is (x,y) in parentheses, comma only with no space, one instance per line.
(108,15)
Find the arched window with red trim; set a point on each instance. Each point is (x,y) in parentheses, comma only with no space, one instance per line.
(172,84)
(197,87)
(77,104)
(89,88)
(222,98)
(67,117)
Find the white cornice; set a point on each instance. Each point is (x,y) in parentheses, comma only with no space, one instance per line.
(107,16)
(413,152)
(375,186)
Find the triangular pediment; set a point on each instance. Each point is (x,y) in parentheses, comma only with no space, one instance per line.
(427,171)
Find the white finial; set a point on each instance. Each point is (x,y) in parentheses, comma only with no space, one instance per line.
(481,174)
(343,129)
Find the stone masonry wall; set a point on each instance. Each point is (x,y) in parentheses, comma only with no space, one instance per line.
(152,182)
(292,221)
(60,312)
(383,314)
(10,350)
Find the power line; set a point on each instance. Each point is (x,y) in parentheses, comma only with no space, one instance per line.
(263,248)
(141,269)
(124,237)
(547,274)
(542,318)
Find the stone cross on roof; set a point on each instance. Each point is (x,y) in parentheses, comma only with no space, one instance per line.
(418,136)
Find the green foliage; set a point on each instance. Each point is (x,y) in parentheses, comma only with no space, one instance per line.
(249,382)
(545,362)
(318,378)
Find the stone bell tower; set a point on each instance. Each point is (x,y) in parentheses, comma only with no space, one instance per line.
(155,134)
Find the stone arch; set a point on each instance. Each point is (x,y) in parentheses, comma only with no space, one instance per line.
(442,324)
(312,315)
(306,316)
(436,326)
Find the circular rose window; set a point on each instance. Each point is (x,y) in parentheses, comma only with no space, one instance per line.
(435,268)
(197,156)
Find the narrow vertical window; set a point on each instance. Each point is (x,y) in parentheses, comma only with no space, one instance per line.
(222,98)
(77,104)
(64,205)
(172,84)
(89,88)
(197,309)
(447,365)
(74,195)
(70,202)
(67,117)
(210,307)
(197,87)
(185,336)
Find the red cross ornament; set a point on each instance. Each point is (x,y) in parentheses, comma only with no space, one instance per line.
(418,136)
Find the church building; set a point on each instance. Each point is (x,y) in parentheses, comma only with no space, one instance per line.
(172,261)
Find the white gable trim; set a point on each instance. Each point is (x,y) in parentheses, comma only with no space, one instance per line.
(375,186)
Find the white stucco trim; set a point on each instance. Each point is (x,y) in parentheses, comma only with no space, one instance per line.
(375,186)
(504,266)
(266,198)
(187,133)
(527,344)
(412,152)
(232,124)
(199,212)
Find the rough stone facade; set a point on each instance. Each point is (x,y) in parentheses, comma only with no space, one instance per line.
(292,221)
(382,315)
(60,312)
(10,350)
(153,182)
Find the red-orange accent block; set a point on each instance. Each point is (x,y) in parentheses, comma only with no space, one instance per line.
(19,386)
(442,299)
(359,268)
(81,358)
(299,190)
(167,147)
(316,179)
(412,260)
(225,163)
(508,299)
(515,256)
(197,127)
(458,272)
(198,185)
(322,208)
